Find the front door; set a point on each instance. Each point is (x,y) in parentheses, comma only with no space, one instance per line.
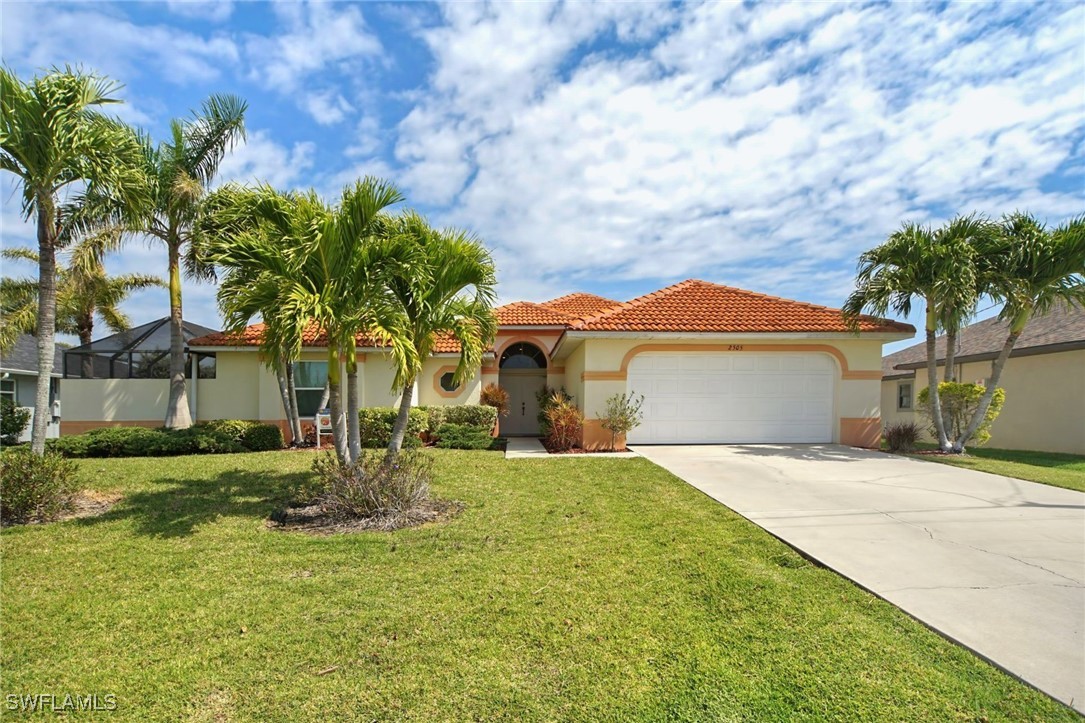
(523,386)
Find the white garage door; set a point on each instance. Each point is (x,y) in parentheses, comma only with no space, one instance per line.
(721,398)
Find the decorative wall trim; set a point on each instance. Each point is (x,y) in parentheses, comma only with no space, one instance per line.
(543,347)
(861,432)
(437,382)
(603,376)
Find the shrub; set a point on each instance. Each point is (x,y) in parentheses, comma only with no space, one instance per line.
(959,403)
(146,442)
(565,424)
(902,436)
(376,426)
(389,489)
(36,487)
(435,417)
(463,436)
(263,437)
(494,396)
(475,415)
(547,397)
(253,436)
(623,415)
(13,421)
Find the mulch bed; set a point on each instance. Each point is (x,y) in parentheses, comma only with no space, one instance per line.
(86,503)
(313,520)
(576,450)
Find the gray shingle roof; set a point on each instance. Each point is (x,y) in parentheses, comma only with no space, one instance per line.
(23,356)
(1061,329)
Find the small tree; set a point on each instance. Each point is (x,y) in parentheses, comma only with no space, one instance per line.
(494,396)
(623,416)
(565,423)
(959,404)
(13,421)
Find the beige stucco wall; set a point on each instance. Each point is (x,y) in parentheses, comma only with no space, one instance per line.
(429,388)
(598,365)
(115,400)
(1045,401)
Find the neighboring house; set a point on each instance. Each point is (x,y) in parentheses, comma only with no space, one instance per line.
(1044,380)
(715,364)
(19,381)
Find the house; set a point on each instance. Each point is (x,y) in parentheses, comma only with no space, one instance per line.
(714,363)
(19,381)
(1044,379)
(123,379)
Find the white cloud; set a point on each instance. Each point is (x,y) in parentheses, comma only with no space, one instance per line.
(327,108)
(763,144)
(101,39)
(214,10)
(262,159)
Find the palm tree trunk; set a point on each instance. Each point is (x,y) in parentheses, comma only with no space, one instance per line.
(335,403)
(85,327)
(292,400)
(951,355)
(932,380)
(354,432)
(399,431)
(177,413)
(284,395)
(47,310)
(992,384)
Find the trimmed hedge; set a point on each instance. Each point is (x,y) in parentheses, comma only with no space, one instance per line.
(217,437)
(475,415)
(36,487)
(376,424)
(464,436)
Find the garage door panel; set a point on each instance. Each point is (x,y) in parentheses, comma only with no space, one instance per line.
(737,397)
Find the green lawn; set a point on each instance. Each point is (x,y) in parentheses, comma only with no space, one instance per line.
(1051,468)
(587,589)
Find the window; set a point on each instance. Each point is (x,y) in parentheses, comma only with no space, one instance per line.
(205,366)
(523,356)
(7,390)
(448,382)
(309,381)
(904,395)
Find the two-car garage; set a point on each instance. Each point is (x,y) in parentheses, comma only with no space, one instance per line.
(733,397)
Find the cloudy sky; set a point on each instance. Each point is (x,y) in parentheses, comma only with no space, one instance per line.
(615,147)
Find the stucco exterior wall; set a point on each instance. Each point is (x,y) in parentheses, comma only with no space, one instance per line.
(430,392)
(857,397)
(1045,401)
(113,401)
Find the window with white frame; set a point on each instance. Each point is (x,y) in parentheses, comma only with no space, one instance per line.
(7,390)
(904,395)
(309,380)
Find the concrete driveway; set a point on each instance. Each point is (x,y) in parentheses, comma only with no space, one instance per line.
(992,562)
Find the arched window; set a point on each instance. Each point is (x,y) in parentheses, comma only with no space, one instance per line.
(523,355)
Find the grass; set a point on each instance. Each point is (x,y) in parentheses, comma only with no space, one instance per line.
(593,589)
(1049,468)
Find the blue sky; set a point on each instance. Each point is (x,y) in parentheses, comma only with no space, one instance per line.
(618,147)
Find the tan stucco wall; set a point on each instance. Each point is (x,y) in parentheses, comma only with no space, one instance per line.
(1045,401)
(857,399)
(429,388)
(117,400)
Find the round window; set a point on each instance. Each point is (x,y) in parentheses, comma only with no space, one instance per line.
(448,382)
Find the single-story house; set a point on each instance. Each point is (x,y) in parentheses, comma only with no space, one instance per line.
(19,381)
(1044,379)
(714,363)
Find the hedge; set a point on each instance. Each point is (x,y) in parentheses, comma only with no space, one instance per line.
(376,424)
(464,436)
(218,437)
(475,415)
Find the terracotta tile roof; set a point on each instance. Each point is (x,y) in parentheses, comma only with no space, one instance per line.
(313,336)
(1061,328)
(527,313)
(700,306)
(580,304)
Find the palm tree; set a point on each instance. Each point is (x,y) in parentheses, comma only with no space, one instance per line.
(297,262)
(1029,269)
(84,291)
(449,290)
(917,262)
(178,173)
(52,136)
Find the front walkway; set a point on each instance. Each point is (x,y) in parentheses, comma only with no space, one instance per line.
(532,448)
(995,563)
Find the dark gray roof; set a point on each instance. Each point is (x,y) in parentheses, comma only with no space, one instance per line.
(152,336)
(23,356)
(1061,329)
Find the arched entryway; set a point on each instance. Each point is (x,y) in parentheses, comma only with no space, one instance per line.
(522,373)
